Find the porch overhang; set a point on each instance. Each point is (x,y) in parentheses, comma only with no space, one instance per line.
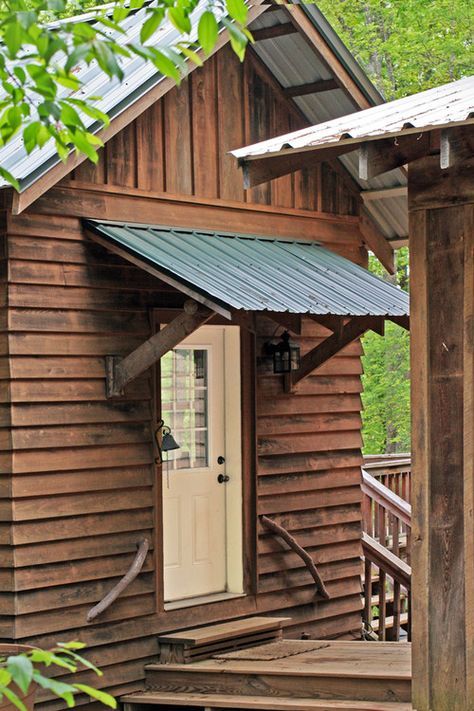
(237,276)
(230,272)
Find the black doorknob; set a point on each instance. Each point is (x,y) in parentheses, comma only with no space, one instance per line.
(223,478)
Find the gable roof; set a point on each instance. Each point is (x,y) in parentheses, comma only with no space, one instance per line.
(312,52)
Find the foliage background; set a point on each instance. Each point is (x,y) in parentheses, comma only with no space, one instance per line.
(405,46)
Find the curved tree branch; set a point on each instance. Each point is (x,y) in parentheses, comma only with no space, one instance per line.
(133,571)
(278,530)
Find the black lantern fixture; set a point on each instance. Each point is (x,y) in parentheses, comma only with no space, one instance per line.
(286,355)
(164,440)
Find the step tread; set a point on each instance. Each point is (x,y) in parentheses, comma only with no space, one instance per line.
(225,701)
(223,631)
(349,660)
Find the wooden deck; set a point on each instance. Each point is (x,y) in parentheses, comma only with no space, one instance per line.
(291,674)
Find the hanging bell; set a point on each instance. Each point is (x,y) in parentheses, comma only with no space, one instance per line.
(164,440)
(168,442)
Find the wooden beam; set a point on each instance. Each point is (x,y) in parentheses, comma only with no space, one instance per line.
(120,371)
(376,241)
(245,319)
(281,30)
(397,242)
(333,323)
(263,168)
(456,145)
(291,322)
(325,53)
(116,203)
(315,87)
(351,331)
(403,321)
(380,156)
(383,193)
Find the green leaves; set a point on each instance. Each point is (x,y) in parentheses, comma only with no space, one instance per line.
(208,31)
(150,25)
(21,670)
(13,37)
(41,64)
(238,10)
(101,696)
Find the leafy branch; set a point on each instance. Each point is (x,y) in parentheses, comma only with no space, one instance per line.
(44,55)
(18,672)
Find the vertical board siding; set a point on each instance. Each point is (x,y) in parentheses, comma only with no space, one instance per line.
(309,482)
(83,491)
(181,144)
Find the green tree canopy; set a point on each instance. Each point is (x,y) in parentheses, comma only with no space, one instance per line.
(406,46)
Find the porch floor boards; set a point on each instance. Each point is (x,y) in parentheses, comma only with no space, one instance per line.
(349,676)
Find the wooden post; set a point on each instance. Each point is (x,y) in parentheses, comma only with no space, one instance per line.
(441,204)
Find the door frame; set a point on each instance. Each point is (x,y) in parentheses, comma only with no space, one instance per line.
(241,441)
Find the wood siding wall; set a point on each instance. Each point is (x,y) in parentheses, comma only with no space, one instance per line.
(84,485)
(180,145)
(309,481)
(7,584)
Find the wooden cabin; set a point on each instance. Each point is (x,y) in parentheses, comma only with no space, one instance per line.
(82,483)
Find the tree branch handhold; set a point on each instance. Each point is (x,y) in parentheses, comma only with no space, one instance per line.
(278,530)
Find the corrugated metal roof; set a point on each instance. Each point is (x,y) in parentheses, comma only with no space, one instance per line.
(254,273)
(447,105)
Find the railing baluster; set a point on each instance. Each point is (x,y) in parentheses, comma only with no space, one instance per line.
(382,603)
(396,611)
(368,592)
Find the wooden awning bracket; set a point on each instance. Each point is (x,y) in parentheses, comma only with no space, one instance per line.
(353,329)
(278,530)
(121,371)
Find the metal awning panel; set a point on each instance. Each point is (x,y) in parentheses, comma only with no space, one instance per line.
(254,273)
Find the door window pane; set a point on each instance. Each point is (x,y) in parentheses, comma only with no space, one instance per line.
(184,406)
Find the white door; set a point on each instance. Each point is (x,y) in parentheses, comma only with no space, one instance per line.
(195,502)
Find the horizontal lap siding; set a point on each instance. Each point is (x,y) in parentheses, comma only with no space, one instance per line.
(221,106)
(309,482)
(83,485)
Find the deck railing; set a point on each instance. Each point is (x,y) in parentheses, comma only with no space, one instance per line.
(386,547)
(386,509)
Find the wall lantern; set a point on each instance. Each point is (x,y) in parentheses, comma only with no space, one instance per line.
(164,440)
(286,355)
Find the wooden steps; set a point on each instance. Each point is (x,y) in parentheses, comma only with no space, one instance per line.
(334,670)
(211,702)
(193,645)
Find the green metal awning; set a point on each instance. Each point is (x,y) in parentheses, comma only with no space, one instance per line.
(253,273)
